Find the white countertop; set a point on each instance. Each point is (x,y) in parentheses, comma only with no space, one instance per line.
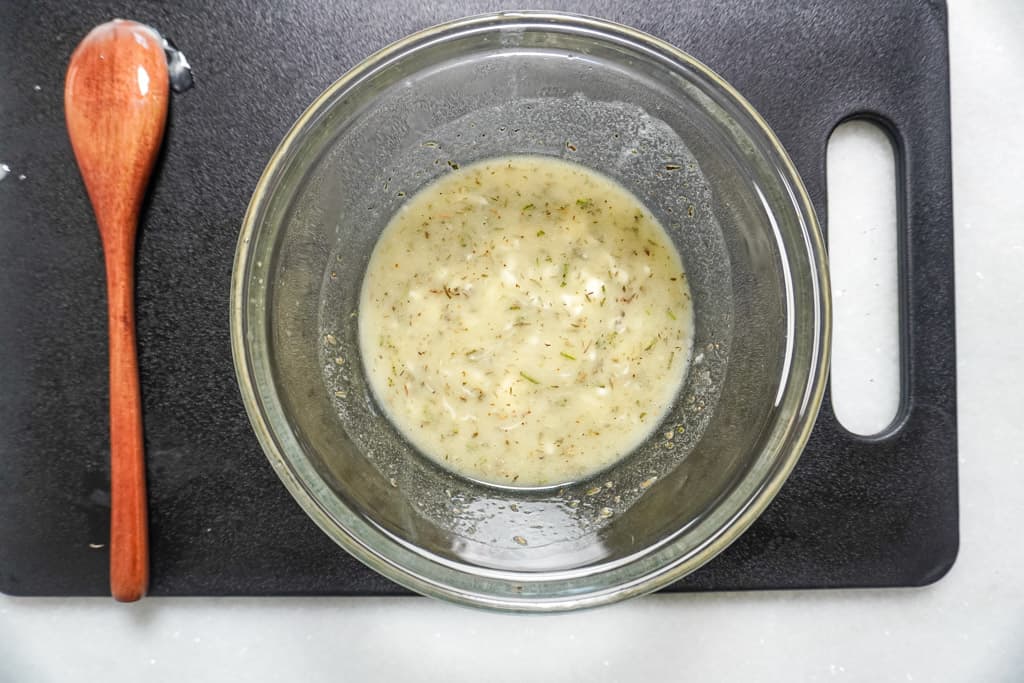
(967,627)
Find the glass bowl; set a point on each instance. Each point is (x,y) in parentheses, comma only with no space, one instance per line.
(615,100)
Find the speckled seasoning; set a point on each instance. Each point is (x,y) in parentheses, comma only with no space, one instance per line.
(525,321)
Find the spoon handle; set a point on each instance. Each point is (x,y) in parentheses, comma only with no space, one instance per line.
(129,543)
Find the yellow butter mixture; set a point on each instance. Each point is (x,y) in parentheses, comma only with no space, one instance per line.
(525,321)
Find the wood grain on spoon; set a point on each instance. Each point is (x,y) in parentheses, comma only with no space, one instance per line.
(115,100)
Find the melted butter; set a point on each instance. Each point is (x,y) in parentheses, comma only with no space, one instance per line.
(525,321)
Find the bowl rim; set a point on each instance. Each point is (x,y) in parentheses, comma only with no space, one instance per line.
(789,450)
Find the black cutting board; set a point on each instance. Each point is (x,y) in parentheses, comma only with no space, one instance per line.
(856,512)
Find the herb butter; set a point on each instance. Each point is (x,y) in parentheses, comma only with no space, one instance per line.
(525,321)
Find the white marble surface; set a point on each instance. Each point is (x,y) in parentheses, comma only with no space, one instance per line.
(967,627)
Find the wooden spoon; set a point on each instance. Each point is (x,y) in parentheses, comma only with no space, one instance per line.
(115,102)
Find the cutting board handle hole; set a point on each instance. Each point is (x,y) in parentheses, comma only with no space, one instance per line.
(862,227)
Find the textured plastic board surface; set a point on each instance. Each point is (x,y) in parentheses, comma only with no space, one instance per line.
(856,512)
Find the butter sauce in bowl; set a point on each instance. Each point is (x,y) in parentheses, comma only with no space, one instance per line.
(585,421)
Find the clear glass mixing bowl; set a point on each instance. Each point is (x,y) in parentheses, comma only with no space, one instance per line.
(613,99)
